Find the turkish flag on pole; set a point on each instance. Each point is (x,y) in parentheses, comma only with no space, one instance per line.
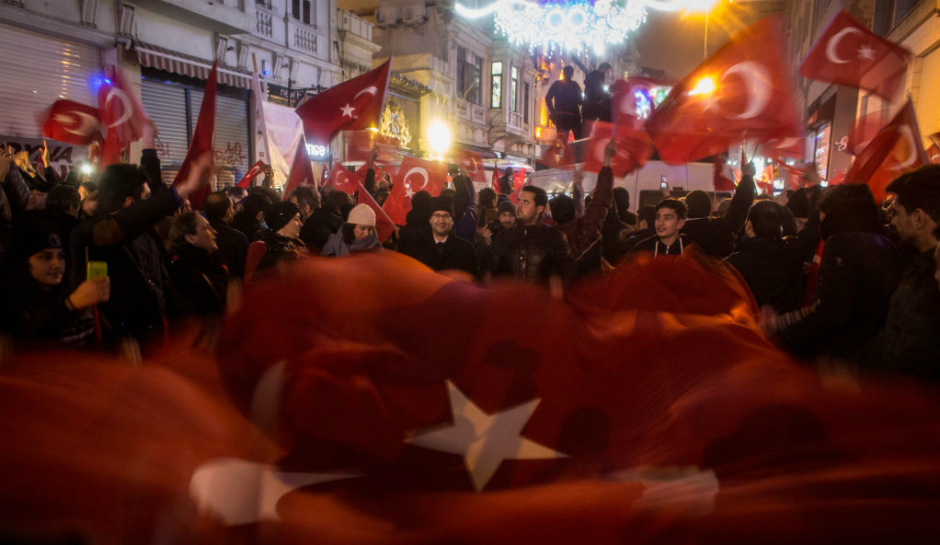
(896,149)
(301,173)
(557,154)
(72,122)
(494,182)
(414,175)
(253,172)
(384,226)
(471,163)
(202,139)
(121,114)
(847,53)
(794,147)
(864,132)
(341,179)
(719,180)
(742,92)
(633,149)
(352,105)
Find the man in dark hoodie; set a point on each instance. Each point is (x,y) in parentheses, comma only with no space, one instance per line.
(416,222)
(250,219)
(325,220)
(715,236)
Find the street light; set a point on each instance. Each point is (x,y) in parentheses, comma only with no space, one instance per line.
(706,6)
(439,138)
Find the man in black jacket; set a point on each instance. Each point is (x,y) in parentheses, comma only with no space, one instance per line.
(440,249)
(772,268)
(122,236)
(909,340)
(531,250)
(596,94)
(563,101)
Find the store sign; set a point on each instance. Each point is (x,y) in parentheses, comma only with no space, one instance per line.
(317,152)
(284,92)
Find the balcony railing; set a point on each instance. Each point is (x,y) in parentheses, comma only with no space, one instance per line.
(305,40)
(264,23)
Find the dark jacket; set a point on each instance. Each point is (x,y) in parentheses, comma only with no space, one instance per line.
(200,279)
(233,247)
(564,98)
(613,237)
(596,99)
(13,200)
(319,226)
(635,238)
(584,232)
(910,340)
(126,241)
(454,253)
(773,270)
(715,236)
(279,249)
(857,276)
(531,253)
(657,248)
(249,225)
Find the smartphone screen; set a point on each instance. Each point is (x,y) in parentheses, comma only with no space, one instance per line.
(96,270)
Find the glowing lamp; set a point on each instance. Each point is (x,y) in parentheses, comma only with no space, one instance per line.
(439,137)
(704,86)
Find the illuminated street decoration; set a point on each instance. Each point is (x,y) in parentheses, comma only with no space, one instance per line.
(571,25)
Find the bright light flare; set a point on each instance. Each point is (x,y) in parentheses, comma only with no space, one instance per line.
(85,169)
(704,86)
(439,137)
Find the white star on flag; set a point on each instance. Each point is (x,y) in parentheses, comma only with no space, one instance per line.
(348,110)
(866,52)
(408,192)
(485,440)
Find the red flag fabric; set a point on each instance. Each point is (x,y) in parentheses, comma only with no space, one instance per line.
(785,147)
(352,105)
(719,180)
(384,226)
(122,116)
(864,132)
(202,139)
(557,154)
(253,172)
(472,164)
(301,172)
(72,122)
(848,53)
(933,154)
(360,143)
(634,147)
(514,198)
(340,178)
(414,175)
(494,182)
(742,92)
(895,150)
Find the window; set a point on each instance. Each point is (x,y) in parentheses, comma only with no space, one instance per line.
(525,102)
(496,84)
(514,88)
(469,72)
(301,10)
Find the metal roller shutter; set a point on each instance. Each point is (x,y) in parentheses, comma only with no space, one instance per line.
(38,70)
(232,134)
(166,106)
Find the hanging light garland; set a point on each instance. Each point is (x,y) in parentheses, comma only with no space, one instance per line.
(571,25)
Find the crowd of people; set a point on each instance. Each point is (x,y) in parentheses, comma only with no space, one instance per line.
(105,263)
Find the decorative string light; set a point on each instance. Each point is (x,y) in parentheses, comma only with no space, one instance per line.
(571,25)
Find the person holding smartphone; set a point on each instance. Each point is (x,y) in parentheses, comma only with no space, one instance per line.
(36,305)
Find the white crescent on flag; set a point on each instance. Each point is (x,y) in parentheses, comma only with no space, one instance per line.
(756,80)
(908,136)
(372,90)
(84,124)
(422,172)
(833,44)
(126,110)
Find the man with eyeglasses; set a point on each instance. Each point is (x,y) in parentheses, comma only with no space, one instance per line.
(530,250)
(908,340)
(440,249)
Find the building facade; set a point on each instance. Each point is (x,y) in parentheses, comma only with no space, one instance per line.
(165,48)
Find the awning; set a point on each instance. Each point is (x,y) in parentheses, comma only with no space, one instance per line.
(157,57)
(485,153)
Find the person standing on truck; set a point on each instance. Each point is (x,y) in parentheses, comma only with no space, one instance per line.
(596,96)
(563,101)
